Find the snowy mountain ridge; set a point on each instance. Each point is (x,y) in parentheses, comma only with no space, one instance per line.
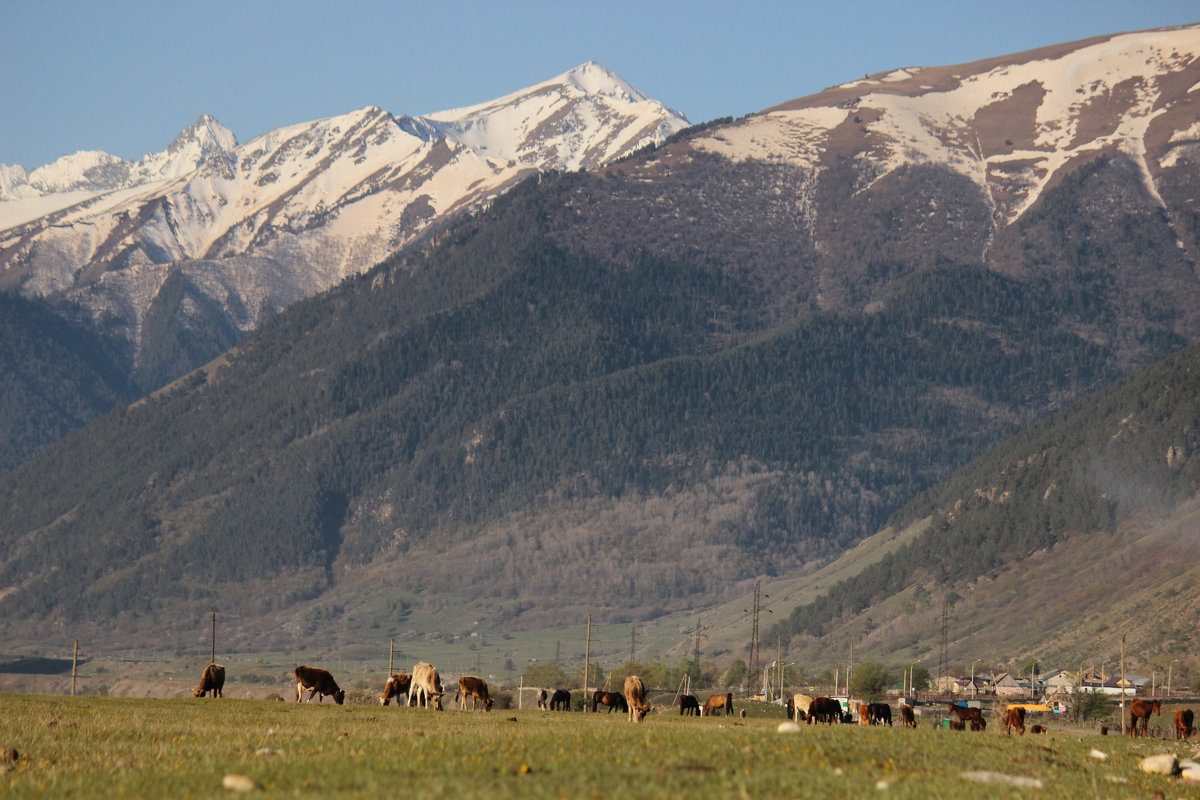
(258,225)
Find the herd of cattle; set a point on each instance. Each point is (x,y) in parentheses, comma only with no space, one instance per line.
(422,688)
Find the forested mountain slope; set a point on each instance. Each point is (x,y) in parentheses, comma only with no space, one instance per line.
(640,388)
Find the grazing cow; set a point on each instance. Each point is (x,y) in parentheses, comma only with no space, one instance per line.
(1037,728)
(611,700)
(542,699)
(1183,723)
(718,703)
(397,685)
(213,680)
(560,700)
(907,718)
(635,698)
(317,681)
(1014,717)
(979,724)
(880,713)
(864,713)
(956,724)
(426,686)
(825,709)
(1140,709)
(689,705)
(477,689)
(801,703)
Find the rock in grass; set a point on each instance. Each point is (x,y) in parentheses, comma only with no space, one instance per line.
(1161,764)
(1005,780)
(239,783)
(788,727)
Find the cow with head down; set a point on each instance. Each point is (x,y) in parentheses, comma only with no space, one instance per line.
(476,688)
(426,686)
(396,686)
(635,698)
(317,681)
(213,680)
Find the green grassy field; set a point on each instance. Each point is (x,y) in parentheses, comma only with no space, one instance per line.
(115,747)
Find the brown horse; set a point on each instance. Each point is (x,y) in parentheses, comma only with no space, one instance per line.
(611,700)
(689,705)
(965,715)
(1140,709)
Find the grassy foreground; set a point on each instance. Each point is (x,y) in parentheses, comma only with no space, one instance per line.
(110,747)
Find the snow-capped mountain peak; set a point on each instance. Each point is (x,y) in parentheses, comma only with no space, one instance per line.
(256,226)
(202,141)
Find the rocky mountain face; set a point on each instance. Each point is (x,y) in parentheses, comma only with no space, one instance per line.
(641,387)
(185,250)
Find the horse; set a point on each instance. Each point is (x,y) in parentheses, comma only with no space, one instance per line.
(689,705)
(1140,709)
(1183,723)
(612,700)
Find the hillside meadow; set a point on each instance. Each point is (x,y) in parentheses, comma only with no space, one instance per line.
(184,748)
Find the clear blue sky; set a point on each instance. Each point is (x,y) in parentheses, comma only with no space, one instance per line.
(126,77)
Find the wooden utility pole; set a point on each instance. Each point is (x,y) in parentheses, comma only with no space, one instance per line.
(213,655)
(754,630)
(391,657)
(587,661)
(74,664)
(1122,684)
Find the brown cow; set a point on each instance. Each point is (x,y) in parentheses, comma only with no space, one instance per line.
(1037,728)
(212,680)
(317,681)
(956,724)
(979,724)
(908,719)
(824,709)
(426,686)
(477,689)
(1014,717)
(1140,709)
(610,700)
(718,703)
(1183,723)
(689,705)
(864,713)
(397,685)
(635,698)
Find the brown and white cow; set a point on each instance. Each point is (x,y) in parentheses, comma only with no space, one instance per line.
(1184,717)
(426,686)
(477,689)
(396,687)
(317,681)
(212,680)
(1014,718)
(635,698)
(542,700)
(718,703)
